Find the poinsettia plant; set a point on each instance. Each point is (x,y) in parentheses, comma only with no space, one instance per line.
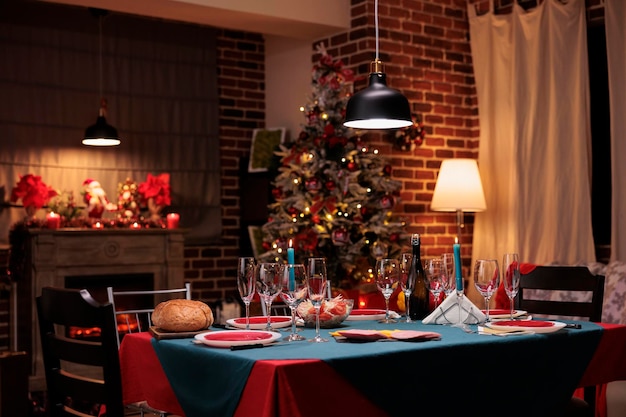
(156,187)
(32,191)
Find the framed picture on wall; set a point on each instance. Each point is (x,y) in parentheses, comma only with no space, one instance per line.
(264,142)
(256,240)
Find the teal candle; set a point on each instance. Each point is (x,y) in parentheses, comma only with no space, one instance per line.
(291,259)
(457,267)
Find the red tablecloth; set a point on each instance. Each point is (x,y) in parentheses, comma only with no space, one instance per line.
(144,379)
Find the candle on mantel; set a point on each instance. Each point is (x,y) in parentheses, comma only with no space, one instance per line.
(172,220)
(291,259)
(135,225)
(457,265)
(97,225)
(53,220)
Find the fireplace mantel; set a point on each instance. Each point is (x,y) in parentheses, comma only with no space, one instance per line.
(51,256)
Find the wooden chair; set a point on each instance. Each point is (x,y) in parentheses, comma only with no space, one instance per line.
(134,319)
(565,278)
(70,363)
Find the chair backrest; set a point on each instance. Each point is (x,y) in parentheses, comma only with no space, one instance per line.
(79,372)
(132,320)
(562,278)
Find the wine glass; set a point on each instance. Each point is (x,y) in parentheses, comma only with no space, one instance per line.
(486,279)
(387,276)
(436,277)
(317,281)
(407,282)
(245,283)
(293,291)
(268,287)
(449,284)
(510,263)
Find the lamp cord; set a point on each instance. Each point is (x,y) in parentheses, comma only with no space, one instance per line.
(100,54)
(376,25)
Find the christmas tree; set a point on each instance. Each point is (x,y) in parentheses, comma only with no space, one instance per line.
(334,195)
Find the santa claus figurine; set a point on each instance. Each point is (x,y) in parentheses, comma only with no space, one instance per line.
(96,199)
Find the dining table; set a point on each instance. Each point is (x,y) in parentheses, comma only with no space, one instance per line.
(459,373)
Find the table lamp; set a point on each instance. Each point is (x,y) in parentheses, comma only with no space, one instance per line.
(459,189)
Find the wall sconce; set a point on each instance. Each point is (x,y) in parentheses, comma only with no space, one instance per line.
(459,189)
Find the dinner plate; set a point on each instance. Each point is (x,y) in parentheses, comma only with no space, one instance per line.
(537,326)
(228,338)
(503,313)
(259,322)
(366,314)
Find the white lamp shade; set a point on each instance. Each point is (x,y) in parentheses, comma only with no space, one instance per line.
(458,187)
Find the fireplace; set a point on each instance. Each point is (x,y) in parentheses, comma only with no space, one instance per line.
(94,259)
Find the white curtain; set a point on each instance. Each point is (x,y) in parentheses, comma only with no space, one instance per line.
(534,152)
(615,16)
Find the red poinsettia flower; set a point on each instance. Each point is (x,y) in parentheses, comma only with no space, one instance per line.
(156,187)
(32,191)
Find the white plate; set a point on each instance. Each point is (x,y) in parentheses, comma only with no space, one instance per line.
(537,326)
(366,314)
(259,322)
(503,313)
(228,338)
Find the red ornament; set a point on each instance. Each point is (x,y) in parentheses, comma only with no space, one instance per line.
(266,246)
(352,166)
(340,236)
(315,218)
(277,193)
(387,169)
(313,184)
(394,237)
(330,185)
(387,201)
(293,212)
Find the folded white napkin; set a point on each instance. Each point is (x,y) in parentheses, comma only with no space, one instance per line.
(448,312)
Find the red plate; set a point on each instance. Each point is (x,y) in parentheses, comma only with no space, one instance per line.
(366,314)
(498,311)
(228,338)
(259,322)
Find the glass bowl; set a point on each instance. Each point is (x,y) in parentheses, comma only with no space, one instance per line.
(332,313)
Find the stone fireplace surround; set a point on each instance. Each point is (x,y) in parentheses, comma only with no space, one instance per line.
(54,257)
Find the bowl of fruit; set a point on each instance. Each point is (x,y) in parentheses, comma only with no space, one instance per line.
(332,312)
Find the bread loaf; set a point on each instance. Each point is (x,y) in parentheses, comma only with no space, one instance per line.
(182,316)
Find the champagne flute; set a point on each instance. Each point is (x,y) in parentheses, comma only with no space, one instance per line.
(387,276)
(436,276)
(268,287)
(486,279)
(317,281)
(510,263)
(449,284)
(245,283)
(293,285)
(407,282)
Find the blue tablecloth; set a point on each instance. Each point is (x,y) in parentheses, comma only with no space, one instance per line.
(530,375)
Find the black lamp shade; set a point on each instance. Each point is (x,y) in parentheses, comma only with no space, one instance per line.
(378,106)
(101,134)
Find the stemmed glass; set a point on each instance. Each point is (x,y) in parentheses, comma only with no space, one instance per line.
(387,276)
(293,291)
(510,263)
(436,277)
(245,283)
(486,279)
(407,282)
(268,287)
(449,284)
(317,281)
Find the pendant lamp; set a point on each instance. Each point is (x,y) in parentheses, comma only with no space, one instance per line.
(378,106)
(101,133)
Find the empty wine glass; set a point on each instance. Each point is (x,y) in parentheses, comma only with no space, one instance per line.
(293,291)
(436,277)
(407,282)
(387,276)
(486,279)
(245,283)
(510,264)
(317,281)
(449,284)
(268,287)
